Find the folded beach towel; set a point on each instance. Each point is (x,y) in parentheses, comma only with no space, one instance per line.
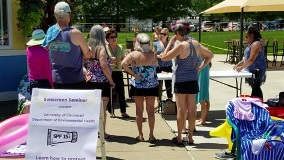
(51,34)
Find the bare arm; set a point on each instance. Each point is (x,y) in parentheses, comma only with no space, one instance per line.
(254,51)
(126,62)
(78,39)
(105,68)
(205,52)
(171,53)
(155,47)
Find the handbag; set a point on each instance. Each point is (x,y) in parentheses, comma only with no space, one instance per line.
(168,107)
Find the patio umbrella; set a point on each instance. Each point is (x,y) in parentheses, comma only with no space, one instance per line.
(230,6)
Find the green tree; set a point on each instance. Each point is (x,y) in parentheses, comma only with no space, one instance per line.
(29,15)
(140,9)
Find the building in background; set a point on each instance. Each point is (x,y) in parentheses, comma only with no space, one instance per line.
(13,62)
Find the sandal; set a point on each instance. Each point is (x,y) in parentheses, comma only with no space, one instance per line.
(183,131)
(125,115)
(112,115)
(139,139)
(153,140)
(200,123)
(188,141)
(175,141)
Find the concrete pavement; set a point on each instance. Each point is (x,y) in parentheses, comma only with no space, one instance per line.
(123,145)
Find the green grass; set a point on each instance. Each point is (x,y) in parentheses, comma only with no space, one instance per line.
(215,40)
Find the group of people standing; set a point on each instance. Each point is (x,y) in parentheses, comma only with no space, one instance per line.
(179,55)
(72,63)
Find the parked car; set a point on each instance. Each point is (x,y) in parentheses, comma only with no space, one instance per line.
(279,23)
(232,26)
(223,25)
(196,25)
(191,25)
(207,26)
(269,25)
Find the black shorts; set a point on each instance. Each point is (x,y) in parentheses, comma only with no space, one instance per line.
(188,87)
(40,83)
(165,69)
(105,87)
(144,91)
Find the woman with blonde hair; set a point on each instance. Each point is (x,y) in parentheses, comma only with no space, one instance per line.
(156,34)
(99,67)
(164,66)
(144,82)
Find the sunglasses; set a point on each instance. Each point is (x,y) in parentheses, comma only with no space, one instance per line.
(112,37)
(164,34)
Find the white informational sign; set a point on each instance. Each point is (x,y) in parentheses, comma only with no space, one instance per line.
(63,124)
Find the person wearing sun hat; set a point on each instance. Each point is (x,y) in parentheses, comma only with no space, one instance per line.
(39,69)
(67,48)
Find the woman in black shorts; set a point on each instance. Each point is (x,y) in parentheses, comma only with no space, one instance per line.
(144,83)
(99,67)
(185,75)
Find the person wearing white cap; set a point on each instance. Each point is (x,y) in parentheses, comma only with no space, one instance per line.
(67,47)
(39,68)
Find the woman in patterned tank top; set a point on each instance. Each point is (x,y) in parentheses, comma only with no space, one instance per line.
(99,67)
(144,83)
(185,75)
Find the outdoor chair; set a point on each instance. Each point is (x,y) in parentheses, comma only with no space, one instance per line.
(129,44)
(275,51)
(236,48)
(254,135)
(229,50)
(282,59)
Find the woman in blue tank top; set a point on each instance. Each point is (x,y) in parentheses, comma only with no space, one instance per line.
(164,66)
(185,75)
(254,61)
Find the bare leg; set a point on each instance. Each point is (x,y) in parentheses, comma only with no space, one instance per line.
(150,101)
(205,106)
(185,119)
(139,100)
(181,102)
(191,107)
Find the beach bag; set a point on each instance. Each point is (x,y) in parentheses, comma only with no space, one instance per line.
(168,107)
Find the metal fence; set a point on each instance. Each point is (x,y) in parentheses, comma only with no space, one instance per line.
(123,27)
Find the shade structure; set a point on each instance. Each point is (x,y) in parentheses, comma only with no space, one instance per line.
(263,5)
(229,6)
